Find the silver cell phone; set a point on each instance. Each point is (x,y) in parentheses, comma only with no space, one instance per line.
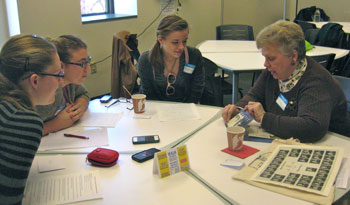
(106,99)
(145,139)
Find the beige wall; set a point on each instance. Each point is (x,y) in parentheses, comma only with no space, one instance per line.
(4,31)
(56,17)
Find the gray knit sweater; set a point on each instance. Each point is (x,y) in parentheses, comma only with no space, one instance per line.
(318,104)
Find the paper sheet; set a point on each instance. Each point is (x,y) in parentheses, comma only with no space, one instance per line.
(343,175)
(95,119)
(98,136)
(50,163)
(178,112)
(63,189)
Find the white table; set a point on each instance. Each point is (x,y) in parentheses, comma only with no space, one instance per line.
(206,155)
(243,56)
(130,182)
(346,25)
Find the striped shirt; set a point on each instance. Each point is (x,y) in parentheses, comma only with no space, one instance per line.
(20,135)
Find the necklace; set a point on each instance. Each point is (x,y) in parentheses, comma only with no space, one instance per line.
(171,69)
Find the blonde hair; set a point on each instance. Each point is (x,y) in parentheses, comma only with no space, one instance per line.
(20,56)
(287,35)
(166,26)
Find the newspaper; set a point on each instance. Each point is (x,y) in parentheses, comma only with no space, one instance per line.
(307,168)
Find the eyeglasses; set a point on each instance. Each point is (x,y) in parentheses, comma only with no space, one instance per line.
(82,64)
(59,75)
(171,79)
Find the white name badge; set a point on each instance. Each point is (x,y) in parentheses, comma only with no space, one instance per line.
(171,161)
(282,101)
(189,68)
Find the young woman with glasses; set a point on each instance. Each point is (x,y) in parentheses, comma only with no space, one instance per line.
(72,98)
(30,73)
(171,70)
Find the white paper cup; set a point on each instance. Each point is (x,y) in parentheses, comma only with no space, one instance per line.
(235,136)
(139,102)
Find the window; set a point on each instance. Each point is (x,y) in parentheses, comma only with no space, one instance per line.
(104,10)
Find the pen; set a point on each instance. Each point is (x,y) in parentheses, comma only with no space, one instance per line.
(107,106)
(76,136)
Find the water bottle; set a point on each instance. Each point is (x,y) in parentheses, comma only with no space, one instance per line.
(317,16)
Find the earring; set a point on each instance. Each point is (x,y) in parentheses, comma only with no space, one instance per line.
(293,63)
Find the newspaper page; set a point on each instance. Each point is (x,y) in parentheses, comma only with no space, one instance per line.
(307,168)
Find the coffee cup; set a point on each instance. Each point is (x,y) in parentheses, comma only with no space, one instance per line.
(139,100)
(235,136)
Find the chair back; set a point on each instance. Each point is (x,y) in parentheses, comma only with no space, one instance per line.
(345,84)
(345,71)
(212,94)
(305,25)
(123,71)
(325,60)
(234,32)
(311,35)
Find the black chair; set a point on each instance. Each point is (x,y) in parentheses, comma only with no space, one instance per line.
(345,71)
(311,35)
(325,60)
(305,25)
(212,94)
(234,32)
(345,84)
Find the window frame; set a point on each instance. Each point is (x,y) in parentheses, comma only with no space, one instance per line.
(105,16)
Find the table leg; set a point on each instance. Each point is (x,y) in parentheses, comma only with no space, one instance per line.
(235,89)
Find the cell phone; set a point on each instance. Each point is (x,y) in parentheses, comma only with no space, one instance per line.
(145,139)
(144,155)
(105,99)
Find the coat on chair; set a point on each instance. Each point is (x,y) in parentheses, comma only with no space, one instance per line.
(123,71)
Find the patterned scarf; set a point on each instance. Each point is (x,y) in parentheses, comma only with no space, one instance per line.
(294,78)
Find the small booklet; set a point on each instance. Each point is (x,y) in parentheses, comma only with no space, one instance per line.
(241,119)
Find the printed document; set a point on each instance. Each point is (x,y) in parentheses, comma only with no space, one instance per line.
(307,168)
(63,189)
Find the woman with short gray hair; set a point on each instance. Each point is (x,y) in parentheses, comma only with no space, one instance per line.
(295,96)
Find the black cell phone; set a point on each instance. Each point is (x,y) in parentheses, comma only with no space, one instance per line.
(145,139)
(144,155)
(105,99)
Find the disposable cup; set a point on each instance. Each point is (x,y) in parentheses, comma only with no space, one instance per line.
(139,102)
(235,136)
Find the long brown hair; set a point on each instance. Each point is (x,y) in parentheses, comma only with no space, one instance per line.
(20,56)
(167,25)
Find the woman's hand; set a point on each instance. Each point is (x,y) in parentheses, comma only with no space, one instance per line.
(228,112)
(76,111)
(256,110)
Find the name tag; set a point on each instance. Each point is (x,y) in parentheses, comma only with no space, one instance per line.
(189,68)
(282,102)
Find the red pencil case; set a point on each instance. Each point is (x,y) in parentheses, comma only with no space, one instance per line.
(103,157)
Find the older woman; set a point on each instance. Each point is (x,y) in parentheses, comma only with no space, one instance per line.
(171,70)
(72,98)
(295,96)
(30,73)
